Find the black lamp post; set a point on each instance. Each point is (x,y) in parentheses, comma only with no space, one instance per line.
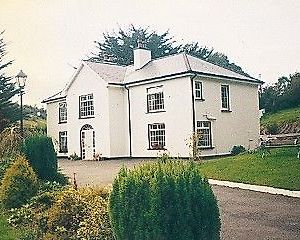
(21,80)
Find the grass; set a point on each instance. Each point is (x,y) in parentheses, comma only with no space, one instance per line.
(281,117)
(6,232)
(279,169)
(35,123)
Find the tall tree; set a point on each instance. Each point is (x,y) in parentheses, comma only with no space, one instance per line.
(293,91)
(285,93)
(222,60)
(117,47)
(8,109)
(196,50)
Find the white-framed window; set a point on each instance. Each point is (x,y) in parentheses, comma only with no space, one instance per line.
(225,97)
(155,99)
(86,106)
(156,134)
(63,142)
(198,90)
(62,112)
(204,134)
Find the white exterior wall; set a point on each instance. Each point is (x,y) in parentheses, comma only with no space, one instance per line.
(88,82)
(177,117)
(118,122)
(238,127)
(53,125)
(110,122)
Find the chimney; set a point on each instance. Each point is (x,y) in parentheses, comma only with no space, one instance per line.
(141,56)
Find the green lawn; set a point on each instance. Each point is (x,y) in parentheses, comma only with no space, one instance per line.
(281,117)
(280,169)
(6,232)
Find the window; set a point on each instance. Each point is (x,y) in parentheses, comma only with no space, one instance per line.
(155,99)
(62,109)
(204,134)
(63,142)
(156,132)
(225,97)
(86,106)
(198,90)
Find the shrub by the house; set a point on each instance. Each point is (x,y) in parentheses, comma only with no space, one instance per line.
(5,162)
(163,200)
(65,213)
(19,184)
(238,149)
(80,214)
(40,152)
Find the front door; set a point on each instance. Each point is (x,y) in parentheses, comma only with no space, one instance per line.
(87,136)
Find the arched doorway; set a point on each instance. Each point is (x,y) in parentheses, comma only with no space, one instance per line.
(87,142)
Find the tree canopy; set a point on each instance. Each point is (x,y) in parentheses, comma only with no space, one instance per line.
(117,47)
(283,94)
(8,109)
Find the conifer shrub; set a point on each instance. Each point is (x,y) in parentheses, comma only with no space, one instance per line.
(5,162)
(80,214)
(167,199)
(40,152)
(238,149)
(19,184)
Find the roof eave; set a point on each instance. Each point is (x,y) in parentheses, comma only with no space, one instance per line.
(53,99)
(252,80)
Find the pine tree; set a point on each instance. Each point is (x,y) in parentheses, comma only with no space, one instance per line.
(8,109)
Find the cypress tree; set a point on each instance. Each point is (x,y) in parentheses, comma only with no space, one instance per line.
(8,109)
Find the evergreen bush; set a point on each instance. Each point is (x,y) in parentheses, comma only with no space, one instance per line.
(5,162)
(238,149)
(19,184)
(163,200)
(80,214)
(40,152)
(272,128)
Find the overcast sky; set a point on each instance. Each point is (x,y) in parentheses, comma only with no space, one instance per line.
(46,37)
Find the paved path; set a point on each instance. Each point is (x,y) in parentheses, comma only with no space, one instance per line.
(245,214)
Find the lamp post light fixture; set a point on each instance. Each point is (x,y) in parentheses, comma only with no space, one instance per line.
(21,81)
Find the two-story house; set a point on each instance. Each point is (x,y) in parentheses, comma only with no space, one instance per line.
(153,106)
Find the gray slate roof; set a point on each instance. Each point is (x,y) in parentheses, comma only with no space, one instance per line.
(109,72)
(180,63)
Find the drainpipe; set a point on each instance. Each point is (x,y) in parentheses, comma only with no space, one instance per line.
(129,120)
(193,115)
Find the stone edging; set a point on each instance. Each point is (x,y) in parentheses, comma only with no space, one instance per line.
(256,188)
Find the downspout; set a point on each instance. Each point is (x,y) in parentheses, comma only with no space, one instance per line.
(193,102)
(193,115)
(129,120)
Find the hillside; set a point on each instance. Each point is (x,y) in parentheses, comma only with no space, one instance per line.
(35,123)
(285,121)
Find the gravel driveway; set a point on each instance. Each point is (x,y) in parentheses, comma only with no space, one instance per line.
(245,214)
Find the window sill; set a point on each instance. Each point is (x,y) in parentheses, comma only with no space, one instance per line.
(61,122)
(158,149)
(200,99)
(63,152)
(206,148)
(86,117)
(226,110)
(158,111)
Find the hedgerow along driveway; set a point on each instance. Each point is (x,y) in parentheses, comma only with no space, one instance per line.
(245,214)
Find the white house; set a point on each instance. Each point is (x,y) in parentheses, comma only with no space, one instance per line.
(153,106)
